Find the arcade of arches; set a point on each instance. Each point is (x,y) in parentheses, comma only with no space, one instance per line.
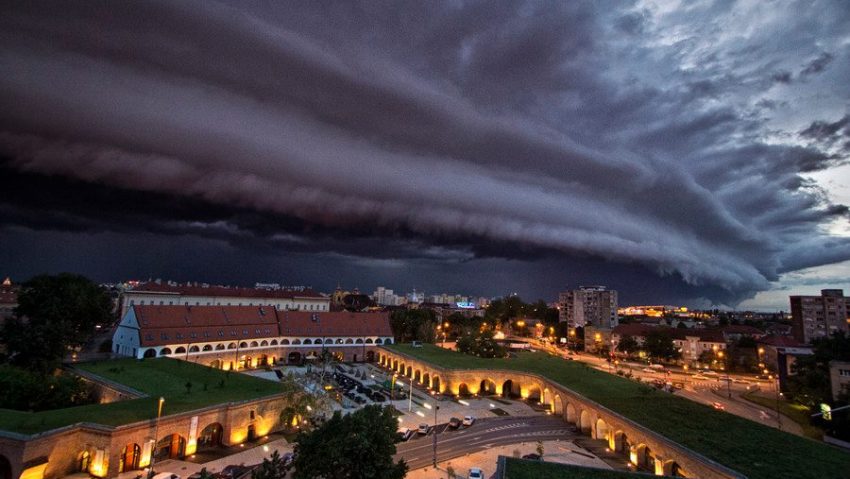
(643,448)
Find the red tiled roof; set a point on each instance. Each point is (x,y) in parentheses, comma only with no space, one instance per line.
(781,342)
(225,291)
(336,323)
(161,325)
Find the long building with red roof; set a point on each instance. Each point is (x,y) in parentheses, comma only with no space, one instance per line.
(236,337)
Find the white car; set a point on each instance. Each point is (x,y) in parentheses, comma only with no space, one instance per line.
(648,370)
(423,429)
(476,473)
(468,420)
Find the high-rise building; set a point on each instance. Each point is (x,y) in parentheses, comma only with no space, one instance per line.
(816,317)
(589,305)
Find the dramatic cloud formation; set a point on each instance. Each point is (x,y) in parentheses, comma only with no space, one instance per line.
(678,139)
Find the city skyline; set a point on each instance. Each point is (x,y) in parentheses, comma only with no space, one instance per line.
(677,155)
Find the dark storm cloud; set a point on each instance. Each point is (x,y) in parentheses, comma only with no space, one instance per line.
(482,130)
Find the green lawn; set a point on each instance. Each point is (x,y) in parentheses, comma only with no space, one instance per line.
(753,449)
(526,469)
(797,412)
(156,377)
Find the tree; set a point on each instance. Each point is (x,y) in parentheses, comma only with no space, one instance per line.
(413,325)
(357,445)
(299,402)
(628,345)
(205,474)
(659,345)
(271,468)
(810,383)
(54,314)
(26,390)
(480,343)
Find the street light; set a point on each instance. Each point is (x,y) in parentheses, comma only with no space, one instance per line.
(155,436)
(728,378)
(437,408)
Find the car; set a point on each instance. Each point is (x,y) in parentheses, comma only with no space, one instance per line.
(288,458)
(532,456)
(741,381)
(711,373)
(454,423)
(648,370)
(423,429)
(475,473)
(468,420)
(718,406)
(699,377)
(405,433)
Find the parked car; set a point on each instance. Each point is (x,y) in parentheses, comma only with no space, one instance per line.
(718,406)
(454,423)
(699,377)
(288,459)
(532,456)
(468,420)
(475,473)
(648,370)
(405,433)
(423,429)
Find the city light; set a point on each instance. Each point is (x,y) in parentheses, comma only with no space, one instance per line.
(426,405)
(463,402)
(420,414)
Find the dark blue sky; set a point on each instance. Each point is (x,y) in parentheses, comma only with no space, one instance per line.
(690,154)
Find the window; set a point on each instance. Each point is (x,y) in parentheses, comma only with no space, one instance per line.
(193,335)
(844,372)
(179,335)
(149,337)
(244,332)
(220,333)
(163,336)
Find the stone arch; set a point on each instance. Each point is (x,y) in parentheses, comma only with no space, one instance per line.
(380,341)
(216,363)
(349,341)
(395,365)
(370,356)
(284,342)
(462,390)
(254,344)
(149,353)
(165,351)
(619,442)
(273,342)
(207,347)
(672,468)
(219,347)
(308,341)
(511,389)
(409,372)
(83,461)
(293,358)
(435,383)
(194,349)
(358,341)
(130,456)
(210,436)
(264,343)
(641,456)
(5,468)
(487,387)
(295,341)
(180,350)
(426,379)
(571,414)
(328,341)
(231,346)
(368,340)
(585,424)
(602,430)
(417,375)
(557,405)
(338,341)
(243,344)
(534,393)
(171,446)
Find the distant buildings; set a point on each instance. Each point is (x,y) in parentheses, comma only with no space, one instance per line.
(816,317)
(195,294)
(8,299)
(387,297)
(839,378)
(589,305)
(692,343)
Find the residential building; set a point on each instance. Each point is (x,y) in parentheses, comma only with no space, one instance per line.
(692,343)
(816,317)
(839,378)
(589,305)
(238,337)
(778,354)
(195,294)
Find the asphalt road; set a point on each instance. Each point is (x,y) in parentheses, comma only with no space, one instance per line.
(485,433)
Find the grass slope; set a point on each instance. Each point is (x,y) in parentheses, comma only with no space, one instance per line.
(526,469)
(753,449)
(157,377)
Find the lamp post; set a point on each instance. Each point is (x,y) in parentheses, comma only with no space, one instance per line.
(155,436)
(436,408)
(392,387)
(726,369)
(410,397)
